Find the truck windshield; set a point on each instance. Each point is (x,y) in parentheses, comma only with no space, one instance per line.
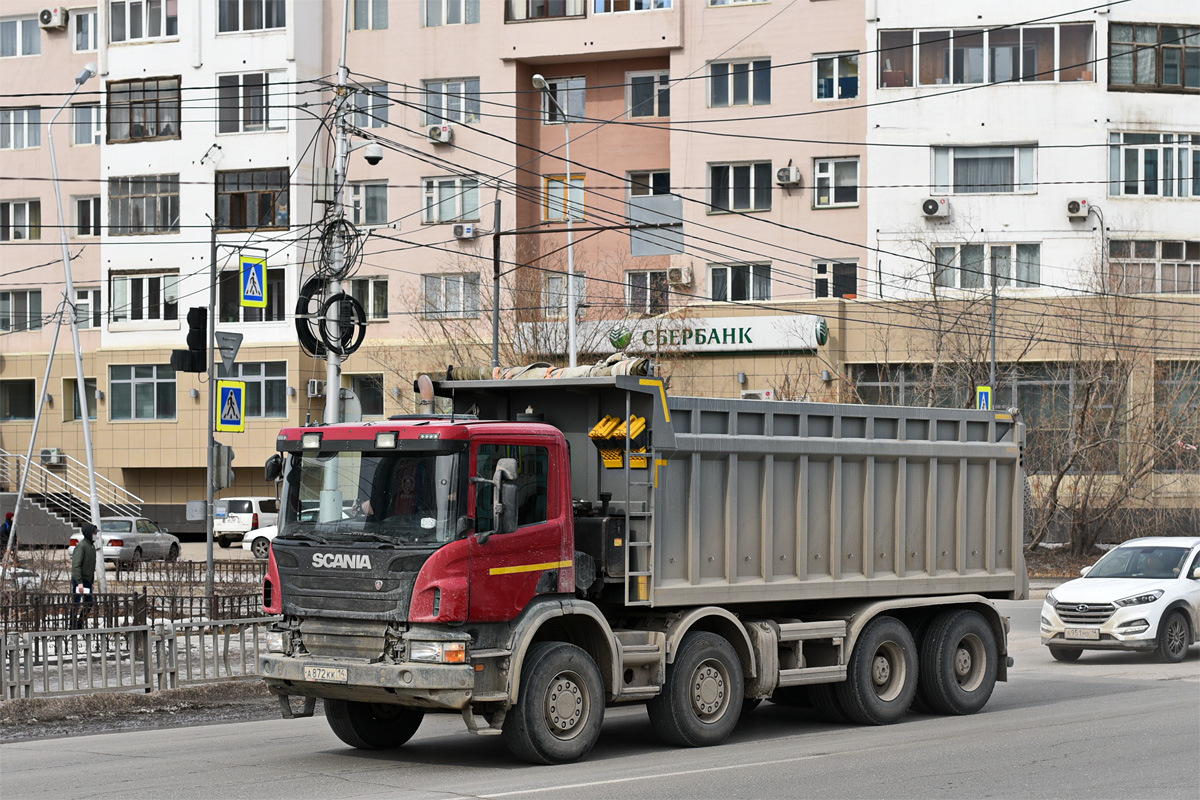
(408,497)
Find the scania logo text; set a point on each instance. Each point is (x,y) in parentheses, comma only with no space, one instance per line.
(341,561)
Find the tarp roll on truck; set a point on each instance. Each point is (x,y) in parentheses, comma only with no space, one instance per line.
(558,546)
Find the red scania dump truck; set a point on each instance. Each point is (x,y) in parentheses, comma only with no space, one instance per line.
(555,547)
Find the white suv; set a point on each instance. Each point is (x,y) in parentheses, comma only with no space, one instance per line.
(234,517)
(1142,595)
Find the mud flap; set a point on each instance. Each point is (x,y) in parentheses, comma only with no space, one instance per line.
(285,706)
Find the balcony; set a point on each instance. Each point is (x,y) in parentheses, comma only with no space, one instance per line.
(588,30)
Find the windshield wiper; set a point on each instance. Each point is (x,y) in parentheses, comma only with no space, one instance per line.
(305,536)
(379,537)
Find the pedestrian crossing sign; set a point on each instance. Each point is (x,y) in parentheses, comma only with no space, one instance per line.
(983,398)
(254,283)
(231,406)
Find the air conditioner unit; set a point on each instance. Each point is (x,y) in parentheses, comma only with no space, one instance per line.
(52,457)
(758,394)
(316,388)
(1077,208)
(679,276)
(935,207)
(52,18)
(464,231)
(440,134)
(788,176)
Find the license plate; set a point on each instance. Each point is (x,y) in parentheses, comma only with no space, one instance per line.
(1082,633)
(325,674)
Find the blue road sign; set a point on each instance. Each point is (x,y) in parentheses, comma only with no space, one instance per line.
(231,406)
(254,282)
(983,398)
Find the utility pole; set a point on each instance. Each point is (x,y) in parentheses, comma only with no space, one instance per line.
(496,287)
(212,406)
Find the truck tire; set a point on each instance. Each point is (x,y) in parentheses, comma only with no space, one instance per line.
(557,718)
(825,701)
(881,678)
(958,663)
(701,701)
(372,726)
(791,696)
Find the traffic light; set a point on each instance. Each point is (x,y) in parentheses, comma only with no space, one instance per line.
(195,358)
(222,466)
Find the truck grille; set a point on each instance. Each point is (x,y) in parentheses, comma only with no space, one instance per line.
(1085,613)
(379,592)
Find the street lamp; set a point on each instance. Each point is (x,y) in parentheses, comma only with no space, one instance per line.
(539,83)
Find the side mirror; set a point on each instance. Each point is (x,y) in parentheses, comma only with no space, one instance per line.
(1085,571)
(273,468)
(504,502)
(507,516)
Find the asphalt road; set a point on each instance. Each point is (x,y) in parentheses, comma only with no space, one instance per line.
(1107,726)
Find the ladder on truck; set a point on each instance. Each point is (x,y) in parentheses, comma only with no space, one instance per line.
(639,524)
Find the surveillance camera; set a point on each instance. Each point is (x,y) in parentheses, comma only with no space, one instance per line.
(373,153)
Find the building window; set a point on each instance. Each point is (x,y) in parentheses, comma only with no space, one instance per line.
(20,37)
(1071,411)
(450,12)
(1163,57)
(369,391)
(449,296)
(252,199)
(646,292)
(370,15)
(835,182)
(1176,398)
(136,20)
(974,56)
(740,187)
(984,170)
(20,128)
(20,220)
(266,386)
(451,200)
(837,77)
(140,110)
(971,266)
(738,282)
(71,395)
(250,15)
(619,6)
(555,295)
(1154,164)
(21,311)
(141,391)
(372,293)
(518,10)
(18,399)
(1145,266)
(740,83)
(229,294)
(88,311)
(87,129)
(649,94)
(250,102)
(87,216)
(555,204)
(570,95)
(143,204)
(835,279)
(452,101)
(649,182)
(371,106)
(369,203)
(142,297)
(85,30)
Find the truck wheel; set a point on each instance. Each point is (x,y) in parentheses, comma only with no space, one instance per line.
(701,701)
(958,663)
(881,678)
(557,718)
(1173,638)
(792,696)
(825,701)
(372,726)
(1065,654)
(261,547)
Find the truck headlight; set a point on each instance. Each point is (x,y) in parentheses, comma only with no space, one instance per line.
(1140,599)
(438,652)
(275,642)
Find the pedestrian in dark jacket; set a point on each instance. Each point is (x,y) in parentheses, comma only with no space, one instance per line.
(6,531)
(83,569)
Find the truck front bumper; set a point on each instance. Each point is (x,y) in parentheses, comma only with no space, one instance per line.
(416,685)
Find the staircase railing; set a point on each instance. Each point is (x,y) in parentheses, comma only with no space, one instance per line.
(66,490)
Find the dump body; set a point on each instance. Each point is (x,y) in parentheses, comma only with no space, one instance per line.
(749,501)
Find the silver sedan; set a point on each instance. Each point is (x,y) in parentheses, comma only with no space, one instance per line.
(127,540)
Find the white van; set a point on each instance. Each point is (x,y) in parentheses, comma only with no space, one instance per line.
(234,517)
